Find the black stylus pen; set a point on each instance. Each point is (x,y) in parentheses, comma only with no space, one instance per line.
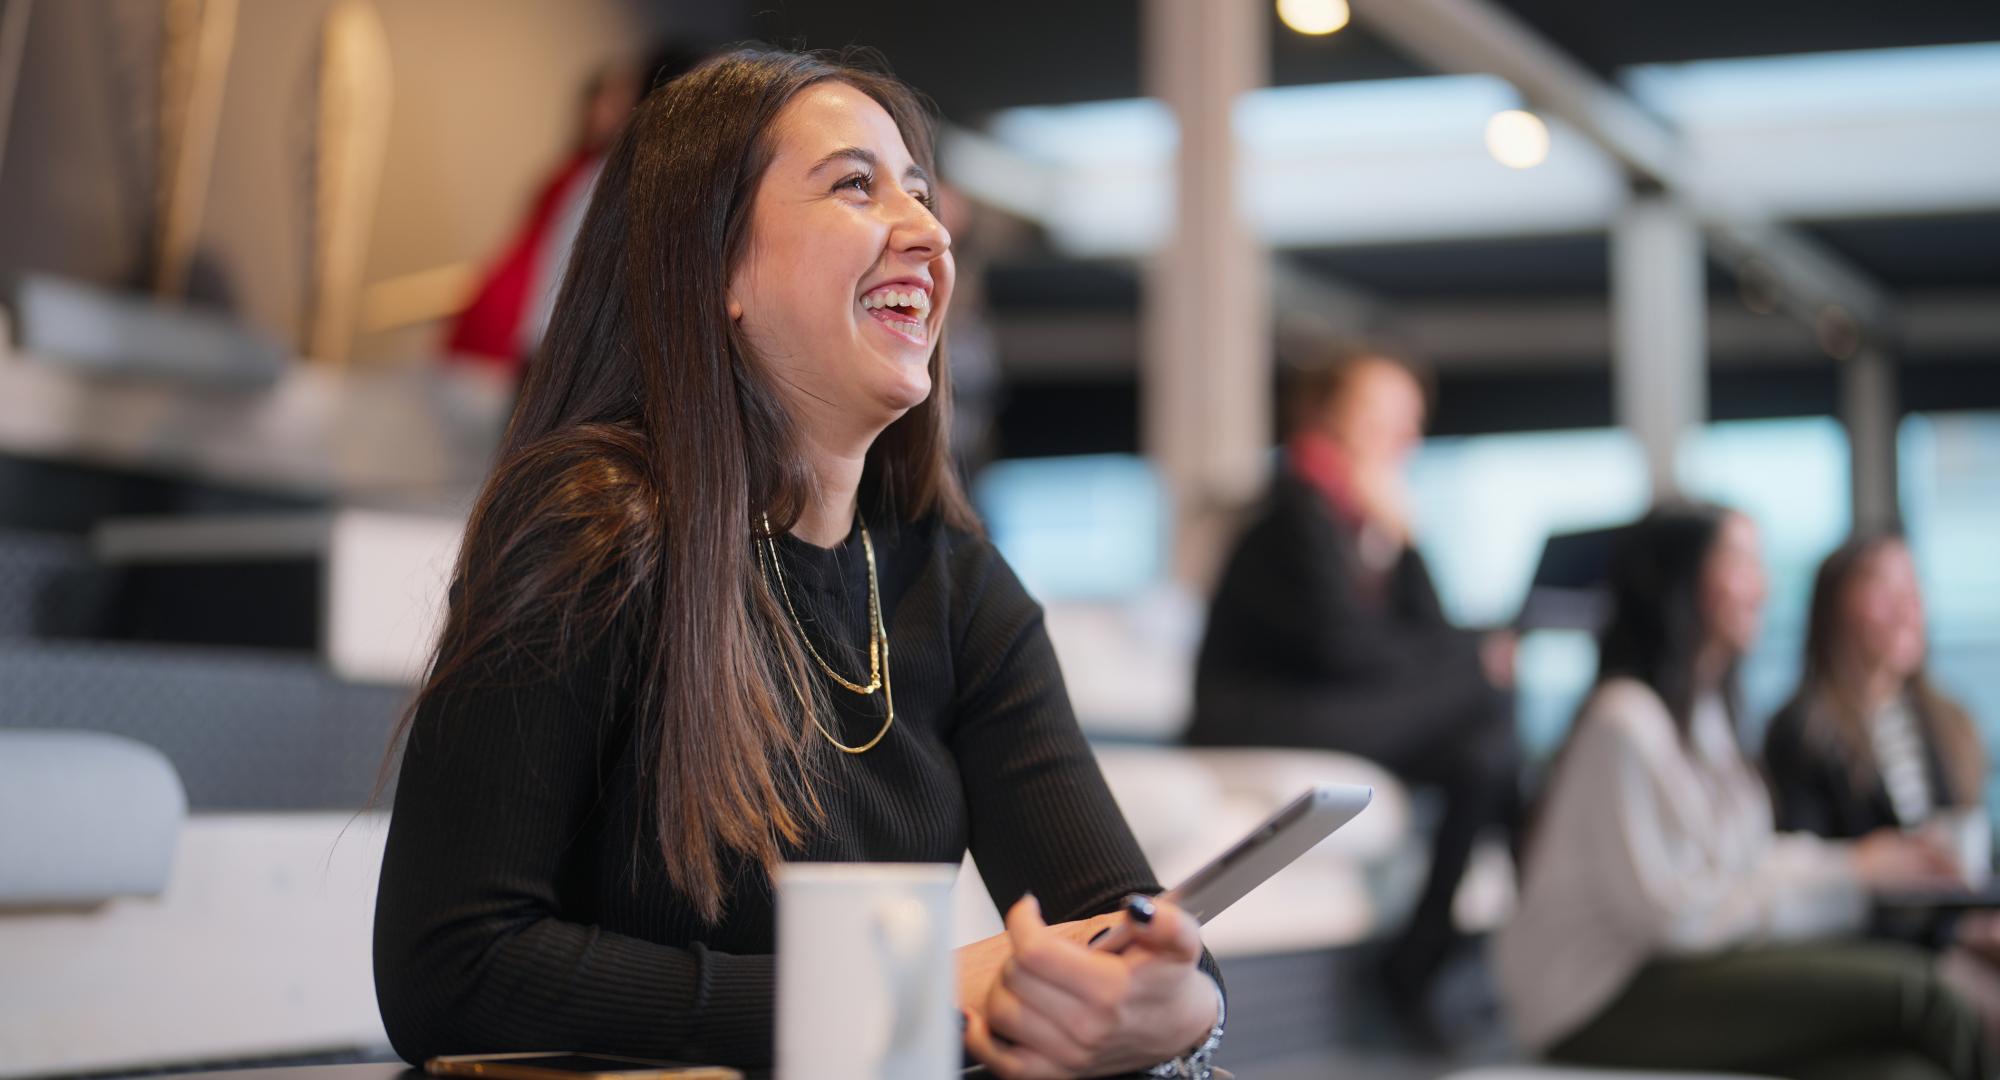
(1139,908)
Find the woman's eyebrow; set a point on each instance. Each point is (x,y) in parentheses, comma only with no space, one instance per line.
(866,157)
(851,153)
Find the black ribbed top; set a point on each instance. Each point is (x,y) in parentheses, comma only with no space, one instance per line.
(515,915)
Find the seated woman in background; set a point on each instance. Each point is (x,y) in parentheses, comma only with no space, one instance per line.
(1868,743)
(666,665)
(1664,922)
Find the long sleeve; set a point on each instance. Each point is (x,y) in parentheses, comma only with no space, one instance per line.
(1644,848)
(1802,790)
(472,954)
(1691,869)
(524,904)
(1289,601)
(1042,817)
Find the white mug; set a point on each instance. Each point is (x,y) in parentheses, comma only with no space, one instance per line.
(1971,833)
(866,981)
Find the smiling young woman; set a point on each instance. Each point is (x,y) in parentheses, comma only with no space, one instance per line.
(666,667)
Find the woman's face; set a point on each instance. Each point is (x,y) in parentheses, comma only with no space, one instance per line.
(1882,611)
(1732,585)
(846,274)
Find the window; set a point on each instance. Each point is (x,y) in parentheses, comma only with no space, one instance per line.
(1090,527)
(1485,504)
(1950,479)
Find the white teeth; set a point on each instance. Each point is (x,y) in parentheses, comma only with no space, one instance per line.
(918,300)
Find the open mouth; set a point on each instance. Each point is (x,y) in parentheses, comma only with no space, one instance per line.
(901,309)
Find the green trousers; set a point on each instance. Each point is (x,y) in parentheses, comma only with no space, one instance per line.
(1827,1011)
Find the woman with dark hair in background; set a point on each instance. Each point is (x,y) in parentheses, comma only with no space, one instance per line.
(666,665)
(1664,922)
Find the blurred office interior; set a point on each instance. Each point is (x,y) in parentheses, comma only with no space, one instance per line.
(1742,251)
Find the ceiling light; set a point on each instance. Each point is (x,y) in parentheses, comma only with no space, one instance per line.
(1517,139)
(1315,17)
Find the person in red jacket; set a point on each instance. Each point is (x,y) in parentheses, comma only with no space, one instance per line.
(503,323)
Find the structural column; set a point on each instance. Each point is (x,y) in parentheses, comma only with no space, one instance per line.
(1869,408)
(1659,317)
(1205,369)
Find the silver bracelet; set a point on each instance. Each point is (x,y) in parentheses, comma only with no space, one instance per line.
(1195,1064)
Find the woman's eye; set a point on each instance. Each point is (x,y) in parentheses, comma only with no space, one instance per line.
(859,182)
(924,197)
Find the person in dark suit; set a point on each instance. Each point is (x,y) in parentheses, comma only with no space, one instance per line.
(1326,632)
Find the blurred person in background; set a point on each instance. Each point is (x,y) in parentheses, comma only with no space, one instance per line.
(1664,922)
(665,666)
(1868,743)
(1326,632)
(503,323)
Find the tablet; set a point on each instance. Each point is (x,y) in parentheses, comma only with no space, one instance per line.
(1269,848)
(1265,850)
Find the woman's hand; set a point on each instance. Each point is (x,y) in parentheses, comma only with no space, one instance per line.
(1057,1008)
(1978,932)
(980,963)
(1887,860)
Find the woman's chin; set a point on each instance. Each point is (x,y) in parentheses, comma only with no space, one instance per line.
(910,387)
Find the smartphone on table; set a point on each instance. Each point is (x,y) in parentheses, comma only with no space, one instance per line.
(569,1065)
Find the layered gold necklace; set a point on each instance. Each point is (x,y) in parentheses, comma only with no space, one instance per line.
(878,638)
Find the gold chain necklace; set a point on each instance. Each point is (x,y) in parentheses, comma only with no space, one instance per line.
(878,639)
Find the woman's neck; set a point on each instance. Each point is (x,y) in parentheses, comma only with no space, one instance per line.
(829,514)
(1873,685)
(1711,667)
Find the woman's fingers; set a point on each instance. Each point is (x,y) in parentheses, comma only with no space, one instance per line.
(1094,977)
(1010,1062)
(1030,1028)
(1060,1008)
(1082,1022)
(1172,934)
(1024,920)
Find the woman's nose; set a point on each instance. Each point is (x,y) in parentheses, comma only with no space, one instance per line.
(919,230)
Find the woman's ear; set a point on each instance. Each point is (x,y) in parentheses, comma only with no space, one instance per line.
(733,306)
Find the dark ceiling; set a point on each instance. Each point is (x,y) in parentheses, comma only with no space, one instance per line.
(1920,253)
(974,58)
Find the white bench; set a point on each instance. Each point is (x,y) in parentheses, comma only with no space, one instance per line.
(84,817)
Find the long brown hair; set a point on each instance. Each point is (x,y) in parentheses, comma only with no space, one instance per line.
(648,442)
(1835,718)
